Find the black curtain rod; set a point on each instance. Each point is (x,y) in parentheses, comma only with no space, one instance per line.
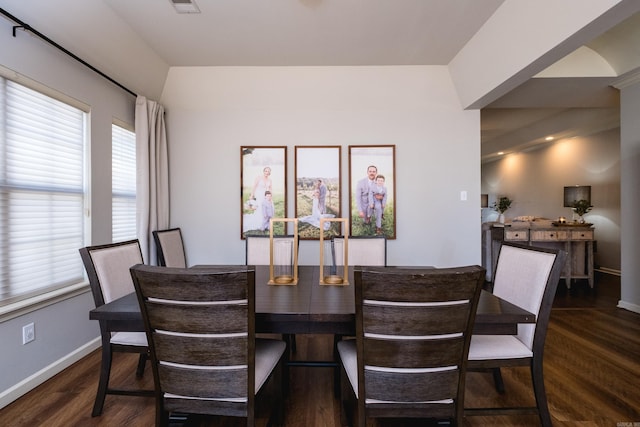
(26,27)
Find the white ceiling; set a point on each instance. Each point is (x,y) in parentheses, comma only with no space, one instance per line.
(307,32)
(109,33)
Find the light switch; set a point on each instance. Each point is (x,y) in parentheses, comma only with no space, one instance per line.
(463,196)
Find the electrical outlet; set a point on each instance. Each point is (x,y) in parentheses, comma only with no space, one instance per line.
(28,333)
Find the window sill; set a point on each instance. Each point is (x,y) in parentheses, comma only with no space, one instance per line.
(29,305)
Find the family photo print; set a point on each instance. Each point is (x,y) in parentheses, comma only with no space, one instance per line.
(372,190)
(317,171)
(263,178)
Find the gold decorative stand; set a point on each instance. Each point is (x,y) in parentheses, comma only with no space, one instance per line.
(331,277)
(283,256)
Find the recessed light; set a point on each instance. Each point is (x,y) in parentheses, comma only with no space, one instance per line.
(500,153)
(185,6)
(549,138)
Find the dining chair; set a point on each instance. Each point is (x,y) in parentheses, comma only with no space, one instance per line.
(258,252)
(201,330)
(361,250)
(107,268)
(413,328)
(170,248)
(526,276)
(258,249)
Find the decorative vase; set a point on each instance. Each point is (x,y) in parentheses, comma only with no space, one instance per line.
(501,218)
(580,219)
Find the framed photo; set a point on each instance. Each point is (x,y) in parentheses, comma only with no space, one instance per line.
(372,189)
(263,189)
(317,190)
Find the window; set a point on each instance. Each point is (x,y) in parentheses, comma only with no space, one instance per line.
(42,195)
(123,184)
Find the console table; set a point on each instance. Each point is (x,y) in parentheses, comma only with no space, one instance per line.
(577,241)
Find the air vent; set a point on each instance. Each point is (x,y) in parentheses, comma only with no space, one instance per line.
(185,6)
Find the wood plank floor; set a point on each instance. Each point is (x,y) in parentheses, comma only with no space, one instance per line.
(592,374)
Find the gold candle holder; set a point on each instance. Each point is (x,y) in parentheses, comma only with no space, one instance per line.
(332,277)
(283,255)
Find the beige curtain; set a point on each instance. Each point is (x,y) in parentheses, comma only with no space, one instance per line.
(152,184)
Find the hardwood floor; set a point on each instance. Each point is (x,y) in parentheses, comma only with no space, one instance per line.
(592,372)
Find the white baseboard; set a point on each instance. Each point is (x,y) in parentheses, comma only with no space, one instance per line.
(629,306)
(29,383)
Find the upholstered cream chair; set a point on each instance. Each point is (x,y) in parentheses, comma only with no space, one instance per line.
(258,249)
(107,267)
(361,250)
(170,248)
(527,277)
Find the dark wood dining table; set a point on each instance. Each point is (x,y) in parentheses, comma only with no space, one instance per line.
(312,308)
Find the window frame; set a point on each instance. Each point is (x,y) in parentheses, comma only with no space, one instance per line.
(49,295)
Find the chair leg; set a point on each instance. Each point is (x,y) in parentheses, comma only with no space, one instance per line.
(286,383)
(141,363)
(540,393)
(336,372)
(103,383)
(279,395)
(497,379)
(346,418)
(291,340)
(163,418)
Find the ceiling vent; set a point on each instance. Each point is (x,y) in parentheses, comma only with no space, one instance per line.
(185,6)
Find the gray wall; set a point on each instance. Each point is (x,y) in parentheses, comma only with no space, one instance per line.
(630,204)
(212,112)
(64,327)
(535,182)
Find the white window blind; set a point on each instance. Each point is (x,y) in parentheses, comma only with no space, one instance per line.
(123,184)
(42,144)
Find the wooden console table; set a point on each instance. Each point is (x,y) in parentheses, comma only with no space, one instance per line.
(577,241)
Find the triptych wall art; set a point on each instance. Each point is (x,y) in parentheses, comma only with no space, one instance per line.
(319,189)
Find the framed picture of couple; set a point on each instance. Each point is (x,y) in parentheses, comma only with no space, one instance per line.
(263,177)
(372,183)
(318,190)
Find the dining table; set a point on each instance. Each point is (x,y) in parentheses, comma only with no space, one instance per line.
(309,307)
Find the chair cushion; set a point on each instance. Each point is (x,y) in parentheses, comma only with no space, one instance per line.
(129,338)
(268,353)
(488,347)
(348,355)
(521,278)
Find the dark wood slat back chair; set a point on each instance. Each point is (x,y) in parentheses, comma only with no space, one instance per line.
(107,268)
(528,277)
(413,328)
(201,330)
(170,248)
(370,251)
